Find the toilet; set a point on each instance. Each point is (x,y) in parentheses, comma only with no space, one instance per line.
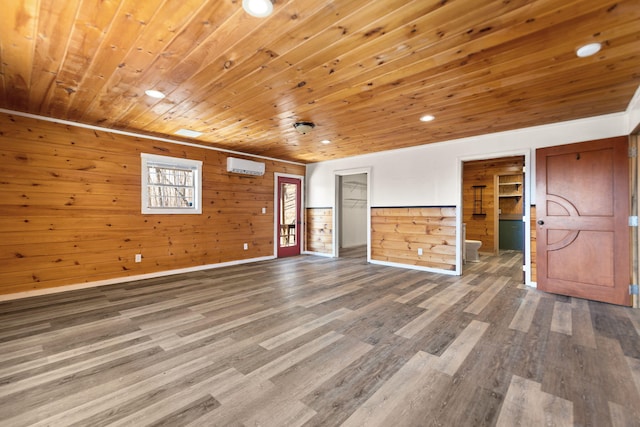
(470,249)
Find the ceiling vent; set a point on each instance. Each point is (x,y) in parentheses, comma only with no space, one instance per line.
(188,132)
(245,167)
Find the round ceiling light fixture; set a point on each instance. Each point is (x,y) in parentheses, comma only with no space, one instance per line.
(258,8)
(325,141)
(588,50)
(427,118)
(304,127)
(154,93)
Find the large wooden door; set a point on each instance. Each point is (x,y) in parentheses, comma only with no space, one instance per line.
(289,196)
(582,230)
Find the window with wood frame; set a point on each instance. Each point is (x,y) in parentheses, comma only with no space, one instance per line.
(171,185)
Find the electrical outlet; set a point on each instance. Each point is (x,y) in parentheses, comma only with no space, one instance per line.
(419,251)
(138,257)
(246,246)
(264,210)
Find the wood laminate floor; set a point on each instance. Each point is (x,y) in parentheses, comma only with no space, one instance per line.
(320,342)
(355,252)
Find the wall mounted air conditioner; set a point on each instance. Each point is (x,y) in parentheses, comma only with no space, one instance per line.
(246,167)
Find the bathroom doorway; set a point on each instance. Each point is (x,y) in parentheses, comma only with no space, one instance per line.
(493,208)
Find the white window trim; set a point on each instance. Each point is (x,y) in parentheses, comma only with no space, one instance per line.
(196,165)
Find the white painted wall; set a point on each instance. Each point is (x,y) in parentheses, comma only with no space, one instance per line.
(633,112)
(354,211)
(429,175)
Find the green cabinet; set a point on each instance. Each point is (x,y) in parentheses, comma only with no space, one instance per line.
(511,234)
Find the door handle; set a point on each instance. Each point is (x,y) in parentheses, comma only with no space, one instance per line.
(540,222)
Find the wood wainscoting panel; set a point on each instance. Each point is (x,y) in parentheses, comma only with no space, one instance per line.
(398,232)
(319,230)
(533,249)
(70,211)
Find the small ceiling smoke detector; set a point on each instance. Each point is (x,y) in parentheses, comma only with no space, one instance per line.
(258,8)
(154,93)
(588,50)
(304,127)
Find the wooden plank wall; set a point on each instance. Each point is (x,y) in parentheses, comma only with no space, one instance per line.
(534,254)
(70,208)
(484,172)
(319,230)
(397,233)
(510,207)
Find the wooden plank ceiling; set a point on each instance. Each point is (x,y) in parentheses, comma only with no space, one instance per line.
(363,71)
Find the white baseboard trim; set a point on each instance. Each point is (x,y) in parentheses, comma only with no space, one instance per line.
(77,286)
(415,267)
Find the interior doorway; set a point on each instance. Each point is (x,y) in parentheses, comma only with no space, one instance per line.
(493,207)
(352,220)
(289,221)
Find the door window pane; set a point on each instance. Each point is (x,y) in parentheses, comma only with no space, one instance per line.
(288,210)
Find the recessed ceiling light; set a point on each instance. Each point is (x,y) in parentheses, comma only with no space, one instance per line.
(588,50)
(325,141)
(154,93)
(427,118)
(258,8)
(189,133)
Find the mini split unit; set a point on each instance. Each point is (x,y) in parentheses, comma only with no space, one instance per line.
(245,167)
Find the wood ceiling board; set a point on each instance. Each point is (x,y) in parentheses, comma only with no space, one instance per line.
(363,71)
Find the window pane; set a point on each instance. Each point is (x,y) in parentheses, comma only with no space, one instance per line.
(288,212)
(170,187)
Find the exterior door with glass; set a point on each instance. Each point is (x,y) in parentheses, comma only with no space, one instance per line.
(289,199)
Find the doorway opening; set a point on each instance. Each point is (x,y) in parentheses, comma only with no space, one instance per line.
(352,217)
(493,208)
(288,216)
